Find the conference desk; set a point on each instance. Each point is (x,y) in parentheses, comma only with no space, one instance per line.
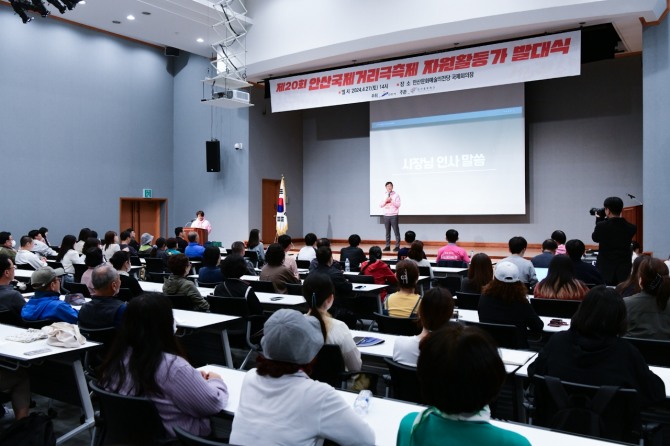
(356,287)
(385,415)
(23,273)
(473,316)
(443,270)
(191,321)
(13,356)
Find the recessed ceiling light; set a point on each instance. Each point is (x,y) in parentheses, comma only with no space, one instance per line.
(131,17)
(118,22)
(199,40)
(82,2)
(146,13)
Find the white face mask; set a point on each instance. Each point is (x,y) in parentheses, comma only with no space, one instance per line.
(13,243)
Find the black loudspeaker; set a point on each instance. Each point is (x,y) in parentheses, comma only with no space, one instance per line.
(213,156)
(171,51)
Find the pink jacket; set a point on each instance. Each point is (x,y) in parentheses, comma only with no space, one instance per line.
(392,207)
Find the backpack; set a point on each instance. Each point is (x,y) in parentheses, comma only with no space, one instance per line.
(33,430)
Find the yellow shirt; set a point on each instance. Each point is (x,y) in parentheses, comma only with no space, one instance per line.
(401,304)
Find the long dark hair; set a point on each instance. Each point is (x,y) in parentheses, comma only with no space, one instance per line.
(316,289)
(254,238)
(109,238)
(633,281)
(480,272)
(655,280)
(561,275)
(416,251)
(65,245)
(508,292)
(145,336)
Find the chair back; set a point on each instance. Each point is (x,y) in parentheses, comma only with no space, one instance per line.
(233,306)
(506,336)
(124,294)
(75,287)
(154,265)
(26,266)
(404,382)
(252,256)
(36,324)
(424,271)
(79,270)
(208,284)
(467,301)
(654,351)
(302,264)
(135,261)
(452,283)
(188,439)
(262,286)
(452,264)
(294,288)
(9,317)
(180,302)
(605,412)
(94,357)
(403,326)
(128,419)
(360,278)
(559,308)
(329,366)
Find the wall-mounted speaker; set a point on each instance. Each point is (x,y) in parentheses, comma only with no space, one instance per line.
(213,156)
(171,51)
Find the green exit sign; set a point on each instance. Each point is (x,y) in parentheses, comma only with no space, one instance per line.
(147,193)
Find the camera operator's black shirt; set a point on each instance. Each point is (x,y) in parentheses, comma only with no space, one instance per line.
(614,236)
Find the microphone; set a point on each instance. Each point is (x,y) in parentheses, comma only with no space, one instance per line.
(389,195)
(632,197)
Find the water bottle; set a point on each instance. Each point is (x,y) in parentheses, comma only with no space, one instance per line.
(362,403)
(472,253)
(347,265)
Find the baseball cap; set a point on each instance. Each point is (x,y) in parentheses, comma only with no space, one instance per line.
(290,336)
(507,272)
(44,275)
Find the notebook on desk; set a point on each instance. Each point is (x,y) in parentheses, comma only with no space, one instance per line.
(367,341)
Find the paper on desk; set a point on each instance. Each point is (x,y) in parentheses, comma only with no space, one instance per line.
(515,357)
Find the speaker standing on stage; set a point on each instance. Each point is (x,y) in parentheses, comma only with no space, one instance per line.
(391,204)
(200,222)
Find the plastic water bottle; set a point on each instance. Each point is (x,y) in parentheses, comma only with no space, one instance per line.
(472,253)
(347,265)
(362,403)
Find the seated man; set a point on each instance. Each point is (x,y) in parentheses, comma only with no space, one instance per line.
(238,248)
(104,309)
(517,247)
(352,252)
(172,245)
(10,299)
(451,252)
(39,246)
(25,256)
(308,252)
(410,236)
(193,249)
(126,243)
(7,245)
(46,303)
(314,264)
(181,241)
(585,272)
(549,247)
(325,265)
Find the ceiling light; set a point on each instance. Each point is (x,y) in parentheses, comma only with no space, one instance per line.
(131,17)
(82,2)
(200,40)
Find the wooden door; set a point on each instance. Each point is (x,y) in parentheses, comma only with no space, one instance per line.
(269,210)
(144,215)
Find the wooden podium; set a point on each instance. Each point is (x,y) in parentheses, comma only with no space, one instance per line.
(202,234)
(633,214)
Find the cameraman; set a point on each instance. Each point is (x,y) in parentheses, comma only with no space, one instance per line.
(614,235)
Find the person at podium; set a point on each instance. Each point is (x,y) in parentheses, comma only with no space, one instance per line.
(201,223)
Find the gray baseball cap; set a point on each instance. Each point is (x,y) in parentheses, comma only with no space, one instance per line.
(290,336)
(507,272)
(44,275)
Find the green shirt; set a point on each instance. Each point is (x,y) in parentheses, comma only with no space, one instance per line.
(8,252)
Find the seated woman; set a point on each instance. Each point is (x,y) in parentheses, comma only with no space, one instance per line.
(560,282)
(255,244)
(631,285)
(592,351)
(435,310)
(480,274)
(178,284)
(281,405)
(319,292)
(146,248)
(503,301)
(93,258)
(379,270)
(232,268)
(110,245)
(405,301)
(209,272)
(184,397)
(416,254)
(648,311)
(68,256)
(121,262)
(460,372)
(275,271)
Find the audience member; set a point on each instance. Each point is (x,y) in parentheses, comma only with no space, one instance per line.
(380,271)
(25,256)
(648,311)
(352,252)
(559,237)
(177,283)
(460,373)
(631,285)
(10,299)
(404,302)
(415,254)
(183,396)
(133,241)
(480,274)
(126,243)
(542,260)
(91,242)
(172,247)
(452,252)
(560,282)
(324,258)
(68,256)
(121,262)
(39,246)
(503,301)
(44,232)
(7,244)
(517,247)
(585,272)
(275,271)
(110,245)
(160,250)
(319,293)
(314,264)
(181,240)
(84,234)
(613,237)
(146,247)
(410,236)
(46,303)
(280,404)
(435,310)
(104,309)
(232,268)
(308,252)
(209,272)
(255,244)
(238,248)
(93,259)
(285,241)
(194,249)
(636,250)
(592,351)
